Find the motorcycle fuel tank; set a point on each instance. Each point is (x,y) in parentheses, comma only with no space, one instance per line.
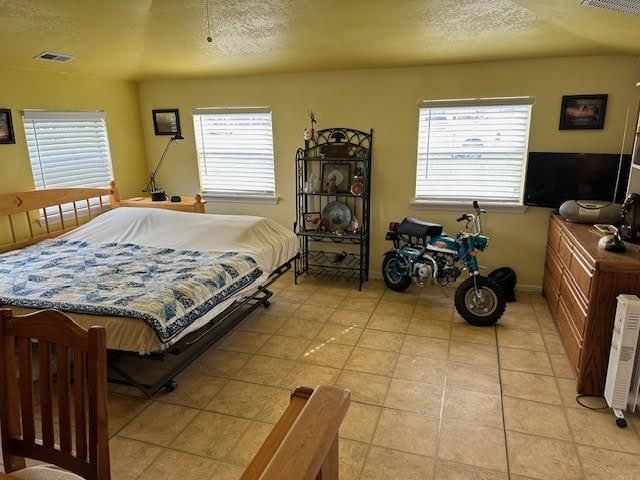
(443,244)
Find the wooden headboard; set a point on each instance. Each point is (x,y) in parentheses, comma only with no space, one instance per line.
(28,216)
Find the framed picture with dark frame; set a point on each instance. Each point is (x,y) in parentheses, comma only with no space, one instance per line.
(583,112)
(166,121)
(336,177)
(6,127)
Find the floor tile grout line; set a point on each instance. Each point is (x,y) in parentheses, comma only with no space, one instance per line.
(575,444)
(370,443)
(504,419)
(146,405)
(442,403)
(174,449)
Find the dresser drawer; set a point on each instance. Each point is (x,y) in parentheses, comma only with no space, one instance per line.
(551,291)
(565,252)
(553,266)
(570,340)
(554,234)
(581,273)
(576,308)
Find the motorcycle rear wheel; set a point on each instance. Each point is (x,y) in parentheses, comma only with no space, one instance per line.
(391,274)
(484,310)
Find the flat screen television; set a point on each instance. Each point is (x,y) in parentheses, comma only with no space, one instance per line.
(553,178)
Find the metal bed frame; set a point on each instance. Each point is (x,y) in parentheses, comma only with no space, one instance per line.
(194,344)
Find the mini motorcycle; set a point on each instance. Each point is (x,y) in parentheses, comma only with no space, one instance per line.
(422,252)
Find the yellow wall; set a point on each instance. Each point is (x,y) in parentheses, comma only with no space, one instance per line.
(386,100)
(22,89)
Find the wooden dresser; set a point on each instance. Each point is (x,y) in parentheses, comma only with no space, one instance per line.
(581,284)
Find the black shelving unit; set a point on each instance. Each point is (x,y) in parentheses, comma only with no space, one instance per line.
(342,255)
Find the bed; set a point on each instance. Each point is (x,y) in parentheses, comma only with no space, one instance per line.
(160,281)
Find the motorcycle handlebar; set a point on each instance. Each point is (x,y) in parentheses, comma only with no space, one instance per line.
(475,205)
(463,217)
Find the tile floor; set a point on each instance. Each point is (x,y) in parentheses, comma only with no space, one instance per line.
(433,398)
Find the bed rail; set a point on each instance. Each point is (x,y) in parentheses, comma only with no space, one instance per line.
(32,216)
(304,443)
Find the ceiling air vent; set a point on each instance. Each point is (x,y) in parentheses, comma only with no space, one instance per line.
(54,57)
(630,7)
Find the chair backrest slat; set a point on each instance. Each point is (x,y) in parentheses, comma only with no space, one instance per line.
(9,420)
(80,379)
(46,396)
(79,375)
(26,389)
(64,407)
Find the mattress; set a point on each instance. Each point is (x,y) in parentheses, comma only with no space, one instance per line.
(268,243)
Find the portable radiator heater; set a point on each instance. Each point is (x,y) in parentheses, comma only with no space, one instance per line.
(622,390)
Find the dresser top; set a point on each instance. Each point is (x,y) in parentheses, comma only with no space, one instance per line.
(586,237)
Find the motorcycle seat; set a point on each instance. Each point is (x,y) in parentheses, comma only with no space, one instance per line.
(417,228)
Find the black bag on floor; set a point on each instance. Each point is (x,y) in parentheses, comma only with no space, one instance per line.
(506,278)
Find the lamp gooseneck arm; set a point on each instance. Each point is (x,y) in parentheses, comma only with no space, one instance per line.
(152,186)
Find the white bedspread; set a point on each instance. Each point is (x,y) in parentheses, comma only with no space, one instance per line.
(267,242)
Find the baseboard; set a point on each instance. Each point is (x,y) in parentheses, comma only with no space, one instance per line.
(528,288)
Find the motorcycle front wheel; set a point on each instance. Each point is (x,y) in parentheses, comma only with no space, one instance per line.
(393,273)
(482,307)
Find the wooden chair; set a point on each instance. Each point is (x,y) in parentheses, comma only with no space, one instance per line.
(82,446)
(303,445)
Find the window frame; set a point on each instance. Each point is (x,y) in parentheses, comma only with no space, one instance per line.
(449,203)
(29,118)
(239,197)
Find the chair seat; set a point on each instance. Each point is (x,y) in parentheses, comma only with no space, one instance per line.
(44,472)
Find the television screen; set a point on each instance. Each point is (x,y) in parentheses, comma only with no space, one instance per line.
(553,178)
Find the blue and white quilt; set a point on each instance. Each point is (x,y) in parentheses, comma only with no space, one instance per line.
(168,289)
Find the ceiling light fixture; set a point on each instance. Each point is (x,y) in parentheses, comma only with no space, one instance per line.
(209,38)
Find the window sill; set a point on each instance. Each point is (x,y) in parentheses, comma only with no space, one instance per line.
(456,206)
(262,199)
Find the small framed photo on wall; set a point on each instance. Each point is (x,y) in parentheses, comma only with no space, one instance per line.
(6,127)
(166,121)
(583,112)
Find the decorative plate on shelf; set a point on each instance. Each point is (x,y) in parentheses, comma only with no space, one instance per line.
(338,215)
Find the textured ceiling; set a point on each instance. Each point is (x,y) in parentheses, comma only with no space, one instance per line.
(166,38)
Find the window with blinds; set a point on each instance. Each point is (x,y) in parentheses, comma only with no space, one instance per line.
(473,150)
(235,152)
(68,149)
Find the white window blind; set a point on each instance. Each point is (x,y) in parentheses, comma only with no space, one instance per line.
(235,152)
(68,149)
(473,150)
